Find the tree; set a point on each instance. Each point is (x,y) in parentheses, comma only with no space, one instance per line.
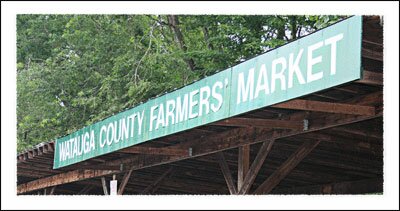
(74,70)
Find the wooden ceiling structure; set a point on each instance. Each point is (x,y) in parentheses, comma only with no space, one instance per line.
(329,142)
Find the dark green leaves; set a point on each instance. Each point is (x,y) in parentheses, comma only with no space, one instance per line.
(74,70)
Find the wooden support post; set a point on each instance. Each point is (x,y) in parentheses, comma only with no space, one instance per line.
(243,164)
(124,181)
(227,173)
(52,190)
(276,177)
(310,105)
(256,166)
(153,187)
(104,184)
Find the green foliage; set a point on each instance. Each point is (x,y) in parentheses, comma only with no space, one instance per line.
(74,70)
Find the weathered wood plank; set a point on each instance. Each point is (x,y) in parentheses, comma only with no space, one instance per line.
(243,164)
(256,166)
(260,123)
(63,178)
(152,187)
(371,54)
(374,185)
(273,180)
(227,173)
(341,108)
(124,181)
(155,151)
(219,142)
(371,78)
(86,189)
(93,167)
(235,138)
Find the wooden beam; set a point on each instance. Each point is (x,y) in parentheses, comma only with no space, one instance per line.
(347,89)
(243,164)
(104,185)
(227,173)
(260,123)
(124,181)
(256,166)
(371,54)
(276,177)
(63,178)
(86,189)
(91,166)
(374,185)
(340,108)
(371,78)
(152,187)
(235,138)
(155,151)
(244,136)
(359,132)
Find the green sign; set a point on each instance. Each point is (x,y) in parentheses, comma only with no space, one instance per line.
(323,59)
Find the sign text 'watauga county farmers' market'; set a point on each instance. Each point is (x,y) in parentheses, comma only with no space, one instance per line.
(321,60)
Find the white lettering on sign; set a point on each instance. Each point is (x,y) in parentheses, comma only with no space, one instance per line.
(191,105)
(302,67)
(262,82)
(245,91)
(217,96)
(284,71)
(77,146)
(295,68)
(332,41)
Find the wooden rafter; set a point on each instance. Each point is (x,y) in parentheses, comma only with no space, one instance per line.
(340,108)
(40,151)
(63,178)
(124,181)
(235,138)
(226,140)
(243,164)
(153,186)
(371,78)
(370,54)
(104,185)
(86,189)
(374,185)
(287,167)
(256,166)
(154,151)
(88,166)
(227,173)
(260,123)
(212,144)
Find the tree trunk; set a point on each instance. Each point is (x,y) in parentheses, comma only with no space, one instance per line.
(173,23)
(293,27)
(206,37)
